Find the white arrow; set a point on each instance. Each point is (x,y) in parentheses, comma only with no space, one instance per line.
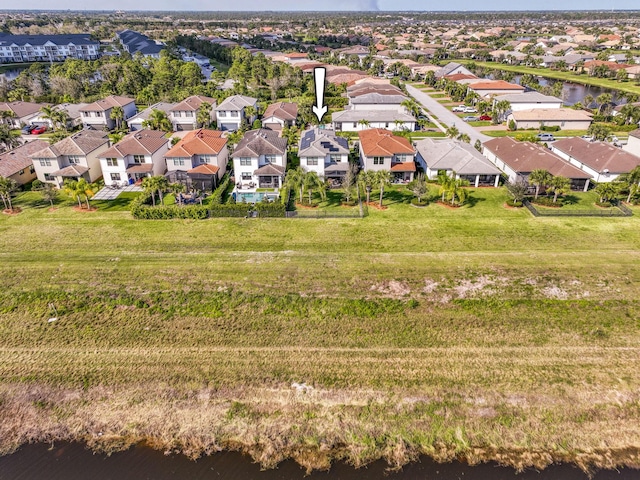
(319,108)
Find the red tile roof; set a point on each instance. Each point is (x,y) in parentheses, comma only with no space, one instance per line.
(495,85)
(204,169)
(381,142)
(198,142)
(404,167)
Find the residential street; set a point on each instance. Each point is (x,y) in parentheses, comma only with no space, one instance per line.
(445,116)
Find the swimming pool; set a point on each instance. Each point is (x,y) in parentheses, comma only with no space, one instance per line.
(254,197)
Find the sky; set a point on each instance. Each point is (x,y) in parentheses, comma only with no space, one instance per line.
(352,5)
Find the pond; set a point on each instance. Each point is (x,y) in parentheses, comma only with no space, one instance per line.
(71,461)
(575,92)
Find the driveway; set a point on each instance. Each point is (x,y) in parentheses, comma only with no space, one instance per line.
(446,116)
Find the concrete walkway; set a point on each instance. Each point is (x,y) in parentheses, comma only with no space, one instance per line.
(446,116)
(107,193)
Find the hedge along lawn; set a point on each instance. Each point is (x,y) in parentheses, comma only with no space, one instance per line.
(391,318)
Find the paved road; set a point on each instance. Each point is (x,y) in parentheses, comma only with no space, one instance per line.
(446,116)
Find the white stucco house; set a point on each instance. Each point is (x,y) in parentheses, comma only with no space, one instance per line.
(230,114)
(259,161)
(380,149)
(98,114)
(321,151)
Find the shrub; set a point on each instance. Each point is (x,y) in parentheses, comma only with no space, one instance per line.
(514,203)
(512,125)
(422,203)
(604,204)
(167,212)
(36,185)
(546,202)
(230,210)
(554,128)
(218,194)
(270,209)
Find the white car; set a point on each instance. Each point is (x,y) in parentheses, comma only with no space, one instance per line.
(470,110)
(459,109)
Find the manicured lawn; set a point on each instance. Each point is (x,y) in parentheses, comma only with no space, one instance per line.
(421,330)
(480,123)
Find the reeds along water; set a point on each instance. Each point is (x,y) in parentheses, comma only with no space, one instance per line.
(73,461)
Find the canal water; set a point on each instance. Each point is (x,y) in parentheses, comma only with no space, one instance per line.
(71,461)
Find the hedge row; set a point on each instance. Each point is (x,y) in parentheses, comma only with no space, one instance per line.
(274,209)
(166,212)
(218,195)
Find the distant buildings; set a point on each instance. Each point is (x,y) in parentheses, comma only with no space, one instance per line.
(134,42)
(47,48)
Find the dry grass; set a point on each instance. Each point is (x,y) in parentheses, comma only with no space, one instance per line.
(480,333)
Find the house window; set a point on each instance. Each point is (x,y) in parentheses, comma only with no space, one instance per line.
(246,176)
(112,162)
(401,158)
(115,176)
(245,161)
(21,172)
(177,114)
(138,159)
(45,163)
(188,114)
(312,161)
(98,114)
(48,177)
(178,162)
(32,169)
(222,113)
(234,114)
(335,157)
(269,158)
(85,114)
(386,125)
(355,124)
(378,160)
(205,159)
(73,159)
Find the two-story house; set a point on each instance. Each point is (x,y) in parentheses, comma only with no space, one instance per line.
(259,160)
(323,152)
(135,122)
(184,115)
(280,115)
(98,114)
(231,114)
(382,150)
(17,164)
(72,158)
(199,159)
(138,155)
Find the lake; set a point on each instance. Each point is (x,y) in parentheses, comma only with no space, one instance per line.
(71,461)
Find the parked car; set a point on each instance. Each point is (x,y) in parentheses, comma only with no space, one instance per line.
(459,108)
(545,137)
(38,130)
(26,130)
(470,118)
(470,110)
(485,118)
(588,138)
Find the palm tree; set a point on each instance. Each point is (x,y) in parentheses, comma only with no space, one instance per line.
(454,190)
(349,180)
(295,180)
(559,185)
(7,187)
(203,116)
(250,111)
(310,182)
(587,101)
(8,137)
(444,181)
(364,123)
(158,120)
(606,191)
(49,113)
(86,189)
(540,178)
(463,137)
(75,190)
(149,186)
(366,179)
(162,185)
(177,188)
(604,100)
(383,178)
(632,182)
(501,108)
(452,131)
(117,114)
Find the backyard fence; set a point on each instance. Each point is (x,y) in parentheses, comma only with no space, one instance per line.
(619,210)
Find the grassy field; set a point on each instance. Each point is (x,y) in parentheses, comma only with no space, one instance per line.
(477,333)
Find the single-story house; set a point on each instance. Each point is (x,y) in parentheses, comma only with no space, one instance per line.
(518,159)
(529,101)
(565,118)
(356,120)
(21,113)
(602,161)
(435,156)
(488,88)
